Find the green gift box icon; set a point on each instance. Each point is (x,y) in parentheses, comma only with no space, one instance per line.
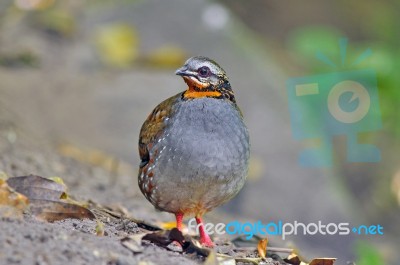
(337,103)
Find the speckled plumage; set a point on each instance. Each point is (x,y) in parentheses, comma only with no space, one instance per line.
(200,159)
(194,146)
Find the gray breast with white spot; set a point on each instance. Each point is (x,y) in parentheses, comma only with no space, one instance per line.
(202,155)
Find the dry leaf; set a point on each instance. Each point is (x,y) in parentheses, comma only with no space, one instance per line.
(3,176)
(211,259)
(10,197)
(323,261)
(165,238)
(219,259)
(56,210)
(99,228)
(12,203)
(262,248)
(255,261)
(45,198)
(226,261)
(293,259)
(59,181)
(133,242)
(167,225)
(36,187)
(193,246)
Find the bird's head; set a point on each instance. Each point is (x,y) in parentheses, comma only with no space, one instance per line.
(205,78)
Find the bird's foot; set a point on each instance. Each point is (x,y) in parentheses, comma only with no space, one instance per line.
(205,239)
(179,220)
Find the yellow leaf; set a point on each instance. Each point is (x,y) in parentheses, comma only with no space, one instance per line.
(262,248)
(99,228)
(167,56)
(117,44)
(167,225)
(10,197)
(12,203)
(211,259)
(3,176)
(45,199)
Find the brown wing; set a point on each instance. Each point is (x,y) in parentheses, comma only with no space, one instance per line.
(153,127)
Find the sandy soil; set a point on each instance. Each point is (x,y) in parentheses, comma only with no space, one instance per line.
(29,241)
(72,98)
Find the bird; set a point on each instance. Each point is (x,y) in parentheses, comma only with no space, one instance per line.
(194,147)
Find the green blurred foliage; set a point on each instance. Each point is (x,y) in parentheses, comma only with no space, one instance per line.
(367,254)
(22,59)
(57,21)
(306,41)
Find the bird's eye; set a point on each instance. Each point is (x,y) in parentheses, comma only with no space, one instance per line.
(204,71)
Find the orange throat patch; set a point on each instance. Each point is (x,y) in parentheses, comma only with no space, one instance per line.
(201,94)
(191,92)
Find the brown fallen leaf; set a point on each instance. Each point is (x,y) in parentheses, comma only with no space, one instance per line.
(262,248)
(57,210)
(323,261)
(192,246)
(36,187)
(168,239)
(165,238)
(293,259)
(46,198)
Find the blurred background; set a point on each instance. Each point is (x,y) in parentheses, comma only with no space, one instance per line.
(84,75)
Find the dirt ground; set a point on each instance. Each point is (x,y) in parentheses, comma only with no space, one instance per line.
(69,115)
(72,241)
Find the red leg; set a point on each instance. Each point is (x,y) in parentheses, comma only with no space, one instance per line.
(205,240)
(179,218)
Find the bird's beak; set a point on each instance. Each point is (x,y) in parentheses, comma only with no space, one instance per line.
(183,71)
